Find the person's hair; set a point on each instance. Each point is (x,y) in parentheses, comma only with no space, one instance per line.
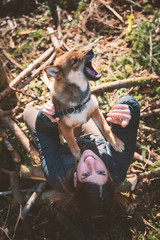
(92,199)
(87,198)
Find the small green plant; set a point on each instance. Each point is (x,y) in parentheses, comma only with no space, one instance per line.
(145,43)
(38,33)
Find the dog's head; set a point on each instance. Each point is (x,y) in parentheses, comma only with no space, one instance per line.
(73,67)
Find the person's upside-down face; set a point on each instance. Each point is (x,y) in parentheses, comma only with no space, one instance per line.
(91,168)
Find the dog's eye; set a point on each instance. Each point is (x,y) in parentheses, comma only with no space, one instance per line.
(74,61)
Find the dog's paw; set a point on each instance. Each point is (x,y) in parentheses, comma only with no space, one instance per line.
(118,145)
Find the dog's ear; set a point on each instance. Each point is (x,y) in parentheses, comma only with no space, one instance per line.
(59,52)
(52,70)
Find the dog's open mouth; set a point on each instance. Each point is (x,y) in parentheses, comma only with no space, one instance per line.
(90,72)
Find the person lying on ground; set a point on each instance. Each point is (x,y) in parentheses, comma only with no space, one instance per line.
(90,187)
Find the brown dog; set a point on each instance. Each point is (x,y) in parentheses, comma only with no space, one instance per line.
(72,98)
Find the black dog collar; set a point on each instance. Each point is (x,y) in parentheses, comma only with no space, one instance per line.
(70,110)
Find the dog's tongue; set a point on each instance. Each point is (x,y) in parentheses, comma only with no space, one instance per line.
(91,73)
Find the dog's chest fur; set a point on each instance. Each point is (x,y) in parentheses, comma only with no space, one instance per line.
(77,118)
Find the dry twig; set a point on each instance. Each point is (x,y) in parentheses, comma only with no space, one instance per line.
(58,10)
(105,3)
(32,199)
(25,72)
(138,157)
(14,154)
(54,40)
(150,113)
(17,196)
(13,61)
(37,71)
(28,146)
(32,172)
(125,83)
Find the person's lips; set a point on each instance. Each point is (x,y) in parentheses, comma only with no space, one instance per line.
(88,157)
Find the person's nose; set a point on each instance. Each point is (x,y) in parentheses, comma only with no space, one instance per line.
(90,163)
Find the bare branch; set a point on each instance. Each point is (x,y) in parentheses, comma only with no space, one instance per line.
(125,83)
(28,146)
(105,3)
(25,72)
(32,199)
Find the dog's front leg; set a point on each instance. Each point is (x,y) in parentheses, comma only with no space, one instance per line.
(105,129)
(68,134)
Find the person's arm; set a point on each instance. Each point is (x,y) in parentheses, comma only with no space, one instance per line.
(49,111)
(126,111)
(125,122)
(120,114)
(48,143)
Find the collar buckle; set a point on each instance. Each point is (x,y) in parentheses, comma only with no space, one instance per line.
(70,110)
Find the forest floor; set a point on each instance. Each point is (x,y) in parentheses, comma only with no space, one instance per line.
(125,37)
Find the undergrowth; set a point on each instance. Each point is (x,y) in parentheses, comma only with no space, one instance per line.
(144,40)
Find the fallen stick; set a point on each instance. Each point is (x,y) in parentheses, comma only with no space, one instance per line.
(54,39)
(65,46)
(149,129)
(139,147)
(148,174)
(130,183)
(32,172)
(137,4)
(25,72)
(13,61)
(46,197)
(58,10)
(14,181)
(37,71)
(26,94)
(5,193)
(150,113)
(156,103)
(105,3)
(28,146)
(32,199)
(125,83)
(138,157)
(14,154)
(30,67)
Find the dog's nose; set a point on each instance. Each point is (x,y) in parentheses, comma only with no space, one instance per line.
(90,52)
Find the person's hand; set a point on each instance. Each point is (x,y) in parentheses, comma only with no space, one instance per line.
(49,111)
(120,114)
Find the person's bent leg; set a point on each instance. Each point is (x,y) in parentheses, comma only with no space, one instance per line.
(29,116)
